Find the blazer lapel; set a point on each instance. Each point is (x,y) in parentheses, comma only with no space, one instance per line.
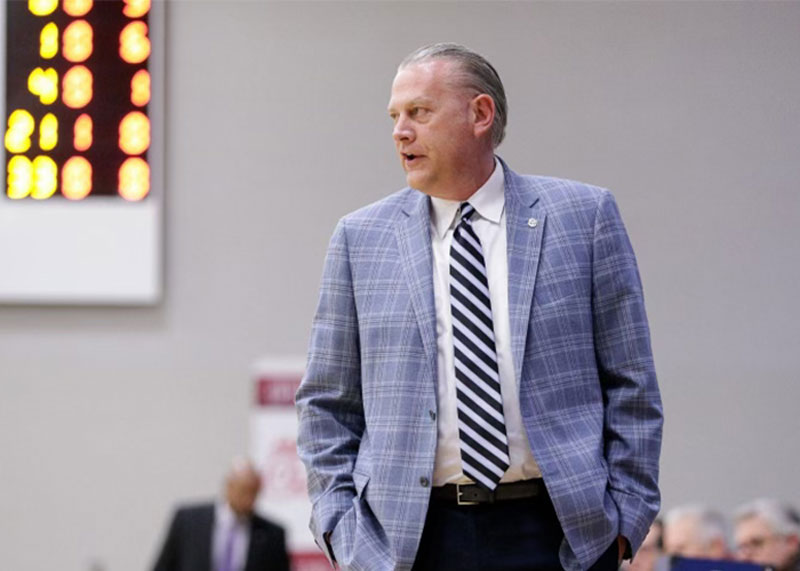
(414,243)
(525,221)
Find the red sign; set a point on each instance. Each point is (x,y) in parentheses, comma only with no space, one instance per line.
(276,390)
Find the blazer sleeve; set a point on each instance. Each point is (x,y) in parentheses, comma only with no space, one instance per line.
(329,405)
(633,415)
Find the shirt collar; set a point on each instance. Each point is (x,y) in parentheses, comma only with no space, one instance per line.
(224,513)
(488,201)
(226,517)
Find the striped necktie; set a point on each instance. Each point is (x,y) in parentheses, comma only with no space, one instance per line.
(481,425)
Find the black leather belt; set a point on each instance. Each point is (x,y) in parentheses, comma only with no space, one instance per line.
(472,494)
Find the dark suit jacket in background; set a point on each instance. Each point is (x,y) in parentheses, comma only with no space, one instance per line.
(188,543)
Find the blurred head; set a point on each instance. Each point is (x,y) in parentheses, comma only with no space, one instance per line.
(696,532)
(449,112)
(650,550)
(767,532)
(242,485)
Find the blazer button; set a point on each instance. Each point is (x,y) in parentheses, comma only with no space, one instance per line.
(423,481)
(433,414)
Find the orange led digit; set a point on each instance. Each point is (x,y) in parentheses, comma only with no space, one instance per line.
(48,132)
(78,40)
(45,178)
(42,7)
(134,133)
(140,88)
(44,84)
(20,129)
(77,8)
(77,87)
(20,177)
(48,41)
(82,133)
(134,45)
(136,8)
(76,178)
(134,179)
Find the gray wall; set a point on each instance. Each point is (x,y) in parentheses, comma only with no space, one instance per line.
(276,126)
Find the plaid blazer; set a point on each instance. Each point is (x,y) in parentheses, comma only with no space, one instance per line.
(582,358)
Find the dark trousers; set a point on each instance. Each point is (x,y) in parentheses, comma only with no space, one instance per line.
(504,536)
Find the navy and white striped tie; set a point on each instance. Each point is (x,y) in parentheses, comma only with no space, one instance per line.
(481,425)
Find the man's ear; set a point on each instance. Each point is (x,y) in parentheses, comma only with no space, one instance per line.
(482,114)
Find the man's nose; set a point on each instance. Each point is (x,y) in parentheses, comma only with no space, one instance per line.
(402,130)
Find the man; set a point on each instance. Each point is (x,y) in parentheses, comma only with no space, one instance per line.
(478,326)
(767,532)
(696,532)
(226,536)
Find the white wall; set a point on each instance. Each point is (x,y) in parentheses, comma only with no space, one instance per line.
(276,126)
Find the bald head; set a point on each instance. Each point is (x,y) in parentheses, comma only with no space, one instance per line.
(242,485)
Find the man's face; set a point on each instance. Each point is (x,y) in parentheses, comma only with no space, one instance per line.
(434,126)
(683,538)
(758,543)
(241,492)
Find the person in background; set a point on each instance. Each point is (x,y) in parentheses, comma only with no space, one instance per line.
(225,535)
(695,531)
(652,548)
(767,532)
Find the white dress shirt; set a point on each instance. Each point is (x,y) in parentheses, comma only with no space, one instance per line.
(224,519)
(489,223)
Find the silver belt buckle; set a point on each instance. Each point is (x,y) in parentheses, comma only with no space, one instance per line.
(461,502)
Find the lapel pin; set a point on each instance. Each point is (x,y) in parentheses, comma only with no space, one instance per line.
(532,222)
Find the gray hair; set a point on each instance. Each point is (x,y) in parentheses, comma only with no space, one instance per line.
(710,523)
(479,75)
(781,517)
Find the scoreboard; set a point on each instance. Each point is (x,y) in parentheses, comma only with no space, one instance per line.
(80,215)
(77,90)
